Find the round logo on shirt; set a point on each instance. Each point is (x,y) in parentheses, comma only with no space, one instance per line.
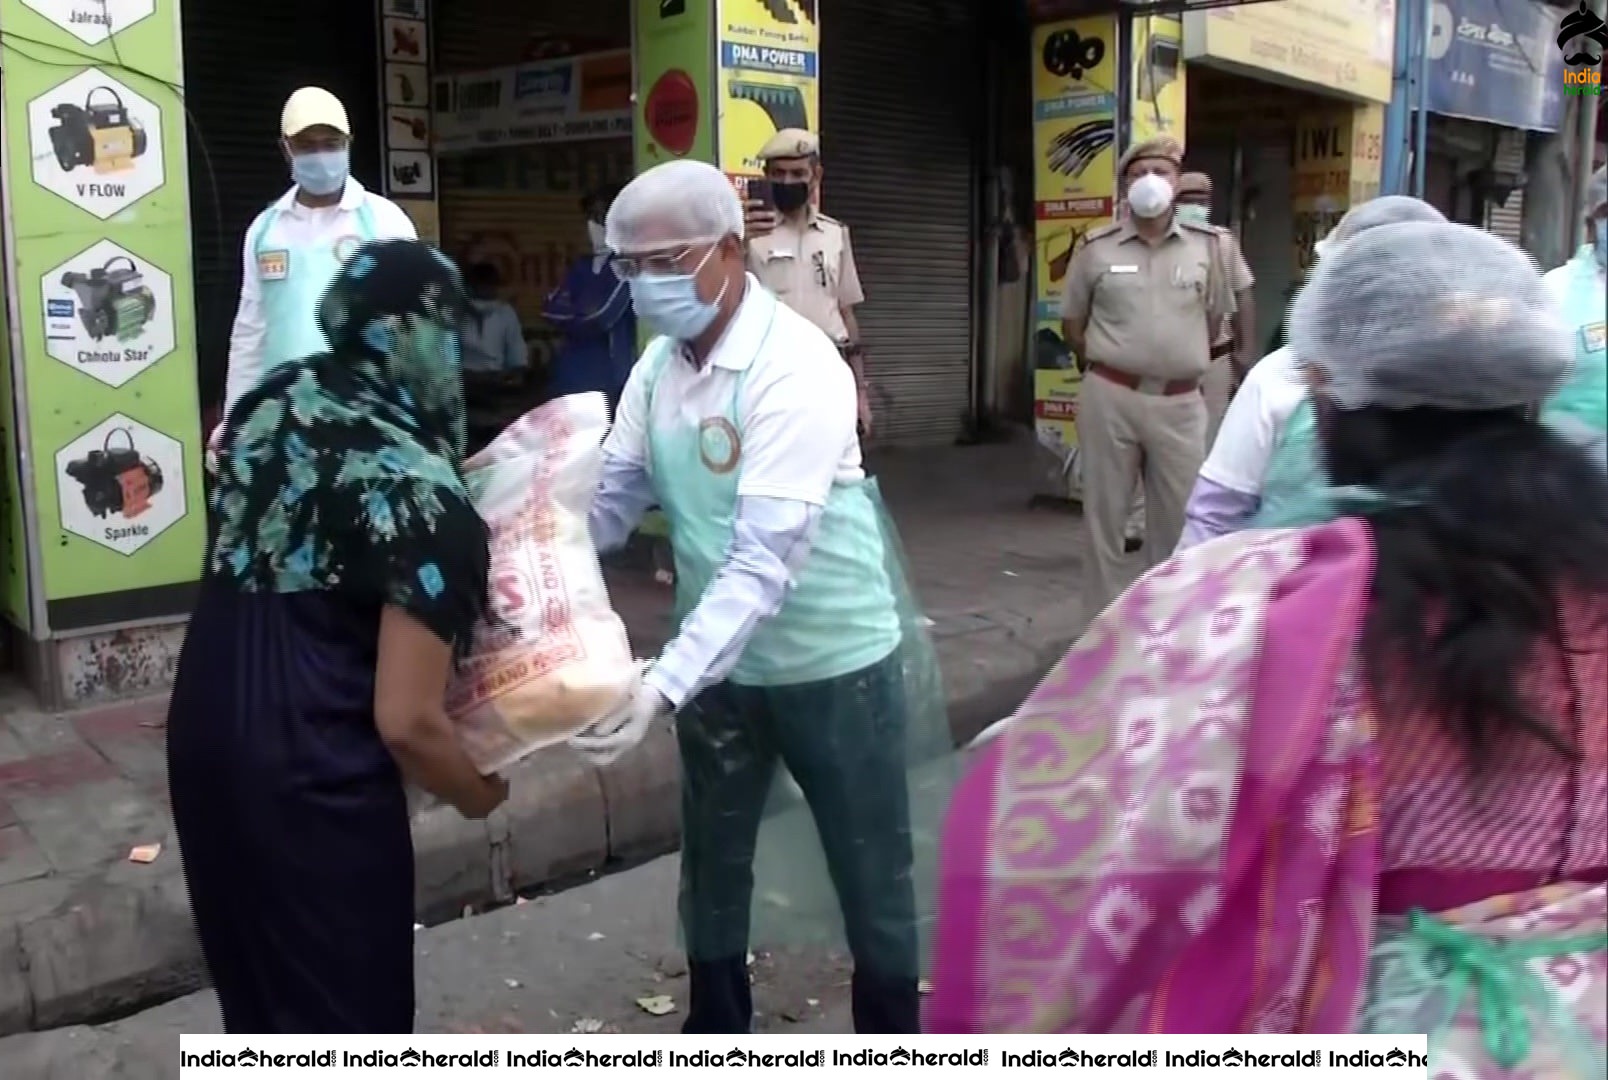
(719,445)
(347,246)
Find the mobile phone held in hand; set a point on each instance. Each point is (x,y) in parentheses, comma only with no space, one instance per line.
(759,191)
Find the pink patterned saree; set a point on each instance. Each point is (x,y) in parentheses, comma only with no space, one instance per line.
(1179,831)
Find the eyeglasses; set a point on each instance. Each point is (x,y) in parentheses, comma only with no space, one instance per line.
(673,261)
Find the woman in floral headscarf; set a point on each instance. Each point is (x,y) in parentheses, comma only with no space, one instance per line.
(1345,778)
(347,566)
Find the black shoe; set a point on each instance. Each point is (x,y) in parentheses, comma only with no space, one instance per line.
(1132,545)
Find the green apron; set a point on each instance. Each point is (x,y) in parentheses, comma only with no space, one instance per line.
(1478,994)
(294,280)
(1585,395)
(840,616)
(838,699)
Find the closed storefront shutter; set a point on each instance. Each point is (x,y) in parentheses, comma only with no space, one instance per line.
(234,100)
(901,94)
(1507,219)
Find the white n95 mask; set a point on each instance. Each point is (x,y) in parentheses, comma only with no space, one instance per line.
(1150,196)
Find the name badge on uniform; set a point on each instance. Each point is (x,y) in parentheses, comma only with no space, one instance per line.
(273,265)
(1125,269)
(1594,336)
(780,253)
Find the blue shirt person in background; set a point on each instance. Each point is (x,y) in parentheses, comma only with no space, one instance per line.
(592,312)
(497,345)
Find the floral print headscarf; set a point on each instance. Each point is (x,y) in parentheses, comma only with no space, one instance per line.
(342,471)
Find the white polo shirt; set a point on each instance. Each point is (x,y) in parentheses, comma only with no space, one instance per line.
(296,225)
(796,407)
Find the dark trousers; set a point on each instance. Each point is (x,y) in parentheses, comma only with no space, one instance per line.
(843,740)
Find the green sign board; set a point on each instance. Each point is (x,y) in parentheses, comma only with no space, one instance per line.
(675,65)
(13,523)
(98,222)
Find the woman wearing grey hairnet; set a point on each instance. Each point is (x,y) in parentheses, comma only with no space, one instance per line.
(1270,419)
(796,646)
(1367,789)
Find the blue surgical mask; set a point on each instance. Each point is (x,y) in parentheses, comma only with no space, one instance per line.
(670,303)
(1195,215)
(323,172)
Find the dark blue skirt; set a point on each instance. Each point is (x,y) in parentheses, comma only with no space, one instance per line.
(292,820)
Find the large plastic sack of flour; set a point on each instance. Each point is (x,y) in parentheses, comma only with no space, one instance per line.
(552,657)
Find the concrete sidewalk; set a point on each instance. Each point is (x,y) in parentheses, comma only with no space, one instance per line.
(581,962)
(86,933)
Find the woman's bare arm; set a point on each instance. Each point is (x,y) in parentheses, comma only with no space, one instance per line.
(410,685)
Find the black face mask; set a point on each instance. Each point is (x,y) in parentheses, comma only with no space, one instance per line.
(790,197)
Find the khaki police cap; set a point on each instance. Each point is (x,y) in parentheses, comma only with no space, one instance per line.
(1159,147)
(790,143)
(1194,183)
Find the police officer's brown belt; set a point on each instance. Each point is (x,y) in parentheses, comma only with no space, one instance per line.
(1170,388)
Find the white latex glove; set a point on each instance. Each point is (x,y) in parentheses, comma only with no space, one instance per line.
(607,740)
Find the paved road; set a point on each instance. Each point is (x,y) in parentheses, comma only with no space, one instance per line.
(576,961)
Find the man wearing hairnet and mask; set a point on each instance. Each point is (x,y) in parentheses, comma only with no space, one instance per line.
(1270,414)
(1579,288)
(795,644)
(1144,300)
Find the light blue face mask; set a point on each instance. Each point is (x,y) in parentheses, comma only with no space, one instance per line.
(323,172)
(670,303)
(1195,215)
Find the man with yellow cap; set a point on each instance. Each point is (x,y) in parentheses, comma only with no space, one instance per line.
(802,255)
(294,248)
(1145,298)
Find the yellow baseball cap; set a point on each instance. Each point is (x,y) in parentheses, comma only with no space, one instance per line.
(313,106)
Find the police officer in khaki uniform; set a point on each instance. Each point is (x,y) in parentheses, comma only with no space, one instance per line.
(1145,297)
(1234,349)
(802,255)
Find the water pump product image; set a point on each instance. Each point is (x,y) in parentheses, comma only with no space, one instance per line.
(100,134)
(113,300)
(407,174)
(117,480)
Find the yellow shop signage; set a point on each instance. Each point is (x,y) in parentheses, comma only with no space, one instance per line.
(1334,46)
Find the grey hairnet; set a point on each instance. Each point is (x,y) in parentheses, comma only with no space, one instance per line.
(1385,210)
(1430,315)
(677,204)
(1597,190)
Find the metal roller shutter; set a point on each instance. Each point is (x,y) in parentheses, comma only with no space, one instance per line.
(234,100)
(901,93)
(1507,219)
